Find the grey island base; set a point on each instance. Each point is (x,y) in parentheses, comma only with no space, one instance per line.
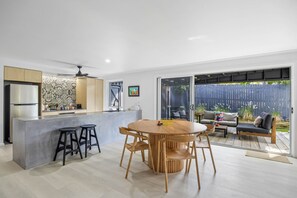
(35,140)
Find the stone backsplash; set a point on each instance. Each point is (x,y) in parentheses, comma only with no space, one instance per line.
(58,90)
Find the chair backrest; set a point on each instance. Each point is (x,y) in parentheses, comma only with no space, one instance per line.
(181,138)
(124,130)
(127,131)
(210,128)
(267,121)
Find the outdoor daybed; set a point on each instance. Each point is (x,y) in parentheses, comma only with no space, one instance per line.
(227,119)
(267,128)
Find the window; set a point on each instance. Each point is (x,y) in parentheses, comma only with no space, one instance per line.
(116,95)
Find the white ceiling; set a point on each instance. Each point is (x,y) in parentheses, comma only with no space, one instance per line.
(142,34)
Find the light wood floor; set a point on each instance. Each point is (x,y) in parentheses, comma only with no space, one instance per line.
(282,145)
(100,176)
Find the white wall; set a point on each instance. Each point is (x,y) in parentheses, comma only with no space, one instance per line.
(147,80)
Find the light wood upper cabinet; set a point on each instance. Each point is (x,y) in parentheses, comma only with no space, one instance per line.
(33,76)
(14,74)
(89,93)
(23,75)
(99,95)
(81,92)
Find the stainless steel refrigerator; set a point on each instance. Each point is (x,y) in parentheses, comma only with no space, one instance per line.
(23,101)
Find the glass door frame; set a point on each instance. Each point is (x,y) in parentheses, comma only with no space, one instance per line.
(192,95)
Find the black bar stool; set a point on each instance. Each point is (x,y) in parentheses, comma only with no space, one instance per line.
(87,132)
(68,131)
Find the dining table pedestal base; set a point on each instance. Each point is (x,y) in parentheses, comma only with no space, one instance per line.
(172,166)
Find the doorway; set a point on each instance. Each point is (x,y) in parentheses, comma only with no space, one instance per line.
(248,94)
(176,98)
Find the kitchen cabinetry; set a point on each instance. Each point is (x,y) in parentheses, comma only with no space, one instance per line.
(89,93)
(33,76)
(99,95)
(22,75)
(13,73)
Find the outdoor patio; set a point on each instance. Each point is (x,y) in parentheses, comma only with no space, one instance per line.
(252,142)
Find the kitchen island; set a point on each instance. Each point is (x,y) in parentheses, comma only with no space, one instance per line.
(35,139)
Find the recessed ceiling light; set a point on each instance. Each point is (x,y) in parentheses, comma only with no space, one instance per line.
(107,60)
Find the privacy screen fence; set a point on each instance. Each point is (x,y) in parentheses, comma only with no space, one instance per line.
(272,98)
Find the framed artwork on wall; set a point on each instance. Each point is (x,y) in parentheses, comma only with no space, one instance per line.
(133,91)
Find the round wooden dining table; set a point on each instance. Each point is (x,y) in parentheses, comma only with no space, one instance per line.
(168,127)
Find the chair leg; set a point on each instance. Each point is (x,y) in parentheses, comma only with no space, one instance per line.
(190,160)
(151,155)
(189,165)
(65,143)
(60,137)
(187,160)
(127,171)
(212,159)
(71,143)
(142,155)
(165,166)
(203,154)
(80,137)
(95,134)
(123,151)
(86,143)
(90,138)
(78,145)
(197,169)
(158,160)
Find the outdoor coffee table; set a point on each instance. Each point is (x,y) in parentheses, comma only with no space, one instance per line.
(222,128)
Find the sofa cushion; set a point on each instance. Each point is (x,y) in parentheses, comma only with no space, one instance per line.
(176,114)
(206,121)
(227,123)
(258,121)
(210,115)
(267,120)
(182,113)
(247,127)
(230,116)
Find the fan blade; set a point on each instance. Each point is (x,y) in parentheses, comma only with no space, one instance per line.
(66,75)
(75,64)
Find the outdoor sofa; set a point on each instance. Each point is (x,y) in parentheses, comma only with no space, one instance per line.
(267,128)
(178,112)
(227,118)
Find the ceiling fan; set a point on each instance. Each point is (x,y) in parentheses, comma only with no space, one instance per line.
(79,73)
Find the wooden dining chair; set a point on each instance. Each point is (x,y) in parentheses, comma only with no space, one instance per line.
(138,144)
(204,143)
(180,154)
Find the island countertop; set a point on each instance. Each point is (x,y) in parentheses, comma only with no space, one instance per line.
(35,139)
(69,115)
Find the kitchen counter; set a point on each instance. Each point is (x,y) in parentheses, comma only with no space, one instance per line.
(59,112)
(35,139)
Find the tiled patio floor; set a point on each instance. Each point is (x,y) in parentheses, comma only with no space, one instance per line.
(282,145)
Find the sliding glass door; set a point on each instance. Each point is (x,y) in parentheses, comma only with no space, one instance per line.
(175,98)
